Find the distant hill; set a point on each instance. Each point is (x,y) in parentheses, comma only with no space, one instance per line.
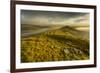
(78,33)
(25,27)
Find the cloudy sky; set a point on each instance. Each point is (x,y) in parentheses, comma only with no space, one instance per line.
(54,18)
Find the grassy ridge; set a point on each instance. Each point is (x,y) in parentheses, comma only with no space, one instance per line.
(56,45)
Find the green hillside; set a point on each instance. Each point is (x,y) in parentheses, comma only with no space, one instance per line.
(56,45)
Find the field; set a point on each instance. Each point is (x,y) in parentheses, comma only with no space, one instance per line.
(53,43)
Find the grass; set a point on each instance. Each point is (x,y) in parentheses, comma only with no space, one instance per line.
(57,45)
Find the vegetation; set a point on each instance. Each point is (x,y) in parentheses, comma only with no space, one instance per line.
(61,44)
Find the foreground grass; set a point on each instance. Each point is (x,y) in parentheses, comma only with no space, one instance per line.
(55,45)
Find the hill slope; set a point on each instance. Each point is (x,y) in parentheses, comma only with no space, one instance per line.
(61,44)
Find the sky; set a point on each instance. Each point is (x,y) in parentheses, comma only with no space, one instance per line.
(44,18)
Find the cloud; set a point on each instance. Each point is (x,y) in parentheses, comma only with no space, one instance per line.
(53,18)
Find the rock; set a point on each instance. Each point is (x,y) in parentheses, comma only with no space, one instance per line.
(66,51)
